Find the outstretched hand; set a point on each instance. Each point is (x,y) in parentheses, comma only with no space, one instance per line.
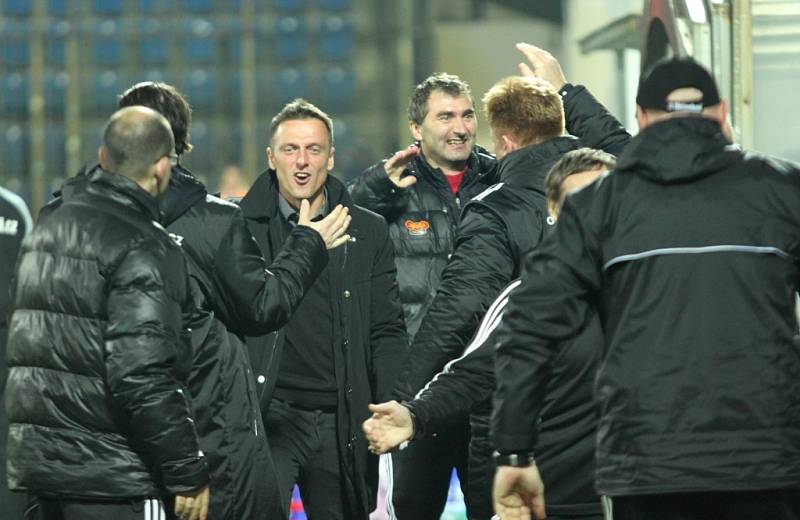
(396,165)
(389,426)
(542,65)
(192,505)
(518,492)
(331,228)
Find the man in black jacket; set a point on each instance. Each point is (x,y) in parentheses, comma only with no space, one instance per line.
(497,228)
(420,191)
(342,347)
(15,224)
(100,421)
(688,251)
(238,294)
(566,446)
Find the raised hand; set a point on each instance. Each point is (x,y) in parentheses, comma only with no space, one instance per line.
(518,492)
(192,505)
(542,65)
(396,165)
(331,228)
(389,426)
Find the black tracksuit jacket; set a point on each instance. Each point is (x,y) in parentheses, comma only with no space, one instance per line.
(689,252)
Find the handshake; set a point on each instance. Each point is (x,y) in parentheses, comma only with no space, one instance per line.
(389,426)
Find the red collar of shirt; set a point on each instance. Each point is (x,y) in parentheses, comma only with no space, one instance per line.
(455,180)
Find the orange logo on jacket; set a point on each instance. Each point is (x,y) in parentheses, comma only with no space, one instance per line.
(417,228)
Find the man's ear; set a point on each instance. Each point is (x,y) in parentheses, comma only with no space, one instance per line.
(641,118)
(270,160)
(415,133)
(330,159)
(509,143)
(101,157)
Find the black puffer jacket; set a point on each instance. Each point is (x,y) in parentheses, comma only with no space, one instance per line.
(691,252)
(565,449)
(422,222)
(237,294)
(370,341)
(96,392)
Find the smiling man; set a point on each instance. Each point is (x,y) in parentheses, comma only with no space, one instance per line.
(344,343)
(420,192)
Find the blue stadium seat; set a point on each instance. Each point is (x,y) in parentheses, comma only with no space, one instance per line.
(16,90)
(107,44)
(290,83)
(106,86)
(55,88)
(336,38)
(200,87)
(153,44)
(198,6)
(54,149)
(336,5)
(337,88)
(291,39)
(108,7)
(17,7)
(58,7)
(16,52)
(199,46)
(55,42)
(16,143)
(289,5)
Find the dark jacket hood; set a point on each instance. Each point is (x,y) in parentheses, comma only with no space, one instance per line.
(678,150)
(261,201)
(528,166)
(118,188)
(183,192)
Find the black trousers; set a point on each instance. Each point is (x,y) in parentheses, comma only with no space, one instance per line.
(136,509)
(305,451)
(775,504)
(421,474)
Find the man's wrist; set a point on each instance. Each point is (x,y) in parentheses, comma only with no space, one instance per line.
(516,460)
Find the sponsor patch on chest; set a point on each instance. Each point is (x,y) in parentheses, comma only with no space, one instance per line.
(417,227)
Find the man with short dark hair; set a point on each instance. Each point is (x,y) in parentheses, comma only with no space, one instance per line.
(421,191)
(688,251)
(100,420)
(342,348)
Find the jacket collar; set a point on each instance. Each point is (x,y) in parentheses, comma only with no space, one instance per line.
(527,167)
(480,163)
(677,150)
(118,188)
(261,201)
(183,192)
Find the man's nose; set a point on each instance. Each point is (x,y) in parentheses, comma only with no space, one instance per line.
(302,158)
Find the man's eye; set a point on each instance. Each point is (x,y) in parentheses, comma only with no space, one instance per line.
(444,118)
(469,116)
(315,150)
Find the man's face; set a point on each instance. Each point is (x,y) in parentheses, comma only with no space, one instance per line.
(302,156)
(448,131)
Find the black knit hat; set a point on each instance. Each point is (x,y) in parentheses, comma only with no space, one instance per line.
(671,74)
